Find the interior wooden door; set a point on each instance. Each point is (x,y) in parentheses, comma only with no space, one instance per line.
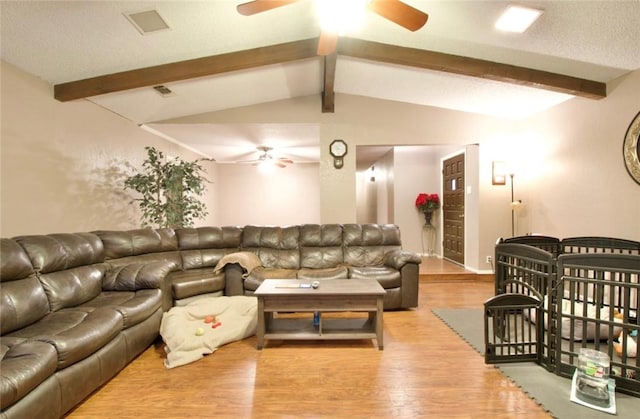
(453,208)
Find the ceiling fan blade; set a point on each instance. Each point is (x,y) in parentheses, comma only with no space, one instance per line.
(259,6)
(399,13)
(327,43)
(285,160)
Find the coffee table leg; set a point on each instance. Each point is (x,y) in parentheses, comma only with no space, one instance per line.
(379,324)
(261,323)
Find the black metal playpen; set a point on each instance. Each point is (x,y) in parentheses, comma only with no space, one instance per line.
(554,297)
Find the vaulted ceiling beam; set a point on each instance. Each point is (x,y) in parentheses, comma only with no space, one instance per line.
(328,94)
(305,49)
(189,69)
(473,67)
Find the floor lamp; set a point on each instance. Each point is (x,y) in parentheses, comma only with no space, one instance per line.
(514,206)
(513,210)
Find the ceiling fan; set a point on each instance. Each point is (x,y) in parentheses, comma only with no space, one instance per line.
(267,158)
(394,10)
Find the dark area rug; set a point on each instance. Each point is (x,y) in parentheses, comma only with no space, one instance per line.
(549,390)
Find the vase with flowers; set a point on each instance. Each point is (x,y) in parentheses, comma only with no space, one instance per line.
(427,204)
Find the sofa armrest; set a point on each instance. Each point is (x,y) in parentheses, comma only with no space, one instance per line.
(398,258)
(234,279)
(137,276)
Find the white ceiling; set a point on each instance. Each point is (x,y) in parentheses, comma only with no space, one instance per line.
(73,40)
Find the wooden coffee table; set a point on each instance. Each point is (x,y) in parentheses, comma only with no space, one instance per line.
(332,296)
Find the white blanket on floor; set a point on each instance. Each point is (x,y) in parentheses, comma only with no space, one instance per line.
(179,328)
(578,310)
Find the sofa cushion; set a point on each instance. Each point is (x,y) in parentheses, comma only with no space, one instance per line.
(75,333)
(321,246)
(134,306)
(69,266)
(22,297)
(22,303)
(139,276)
(57,252)
(209,238)
(203,258)
(339,272)
(367,244)
(387,276)
(14,263)
(277,247)
(71,287)
(204,246)
(320,235)
(25,364)
(118,244)
(255,278)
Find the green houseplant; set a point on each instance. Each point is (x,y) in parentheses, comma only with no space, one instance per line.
(169,190)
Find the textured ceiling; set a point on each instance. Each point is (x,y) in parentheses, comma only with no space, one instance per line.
(67,41)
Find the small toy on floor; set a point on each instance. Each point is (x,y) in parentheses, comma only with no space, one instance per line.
(632,346)
(210,319)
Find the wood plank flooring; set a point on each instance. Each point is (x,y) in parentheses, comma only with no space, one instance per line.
(425,370)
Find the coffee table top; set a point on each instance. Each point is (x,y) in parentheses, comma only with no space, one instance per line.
(327,287)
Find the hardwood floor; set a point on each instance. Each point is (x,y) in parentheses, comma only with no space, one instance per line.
(425,370)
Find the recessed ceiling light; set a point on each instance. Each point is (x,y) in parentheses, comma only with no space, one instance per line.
(517,19)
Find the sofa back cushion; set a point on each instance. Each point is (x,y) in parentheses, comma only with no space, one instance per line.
(321,246)
(118,244)
(141,245)
(57,252)
(277,247)
(366,244)
(69,266)
(22,297)
(203,247)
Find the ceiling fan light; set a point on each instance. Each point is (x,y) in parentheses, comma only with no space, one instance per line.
(517,19)
(341,16)
(266,166)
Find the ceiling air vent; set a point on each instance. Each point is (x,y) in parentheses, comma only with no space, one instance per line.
(147,22)
(163,90)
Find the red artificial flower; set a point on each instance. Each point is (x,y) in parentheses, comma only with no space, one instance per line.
(427,202)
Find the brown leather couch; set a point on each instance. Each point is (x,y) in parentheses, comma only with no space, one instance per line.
(309,251)
(76,308)
(333,251)
(69,321)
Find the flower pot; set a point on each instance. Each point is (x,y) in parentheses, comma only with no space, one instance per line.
(427,217)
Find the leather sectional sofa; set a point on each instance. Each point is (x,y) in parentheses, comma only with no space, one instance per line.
(77,308)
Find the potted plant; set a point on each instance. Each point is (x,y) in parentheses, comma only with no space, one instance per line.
(169,190)
(427,203)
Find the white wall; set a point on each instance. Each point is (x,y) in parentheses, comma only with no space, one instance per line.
(416,171)
(575,181)
(63,164)
(286,196)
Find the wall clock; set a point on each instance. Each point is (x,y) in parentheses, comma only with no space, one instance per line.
(631,149)
(338,150)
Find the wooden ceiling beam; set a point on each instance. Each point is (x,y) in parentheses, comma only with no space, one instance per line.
(184,70)
(473,67)
(328,94)
(305,49)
